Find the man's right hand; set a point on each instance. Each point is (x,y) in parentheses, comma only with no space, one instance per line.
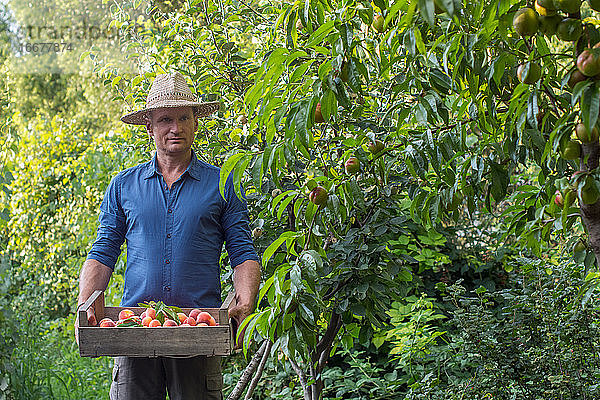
(94,276)
(91,317)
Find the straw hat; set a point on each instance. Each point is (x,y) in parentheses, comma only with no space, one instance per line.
(169,90)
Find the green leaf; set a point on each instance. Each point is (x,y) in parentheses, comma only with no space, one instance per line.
(276,244)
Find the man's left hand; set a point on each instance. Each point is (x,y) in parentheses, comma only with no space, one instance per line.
(239,313)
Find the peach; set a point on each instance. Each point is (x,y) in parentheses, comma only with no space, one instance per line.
(107,323)
(143,315)
(154,323)
(185,324)
(194,313)
(202,324)
(190,321)
(206,318)
(125,313)
(151,312)
(182,317)
(146,321)
(170,322)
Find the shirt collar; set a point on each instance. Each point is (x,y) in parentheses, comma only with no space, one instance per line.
(193,169)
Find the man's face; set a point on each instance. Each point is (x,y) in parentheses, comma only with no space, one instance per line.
(173,129)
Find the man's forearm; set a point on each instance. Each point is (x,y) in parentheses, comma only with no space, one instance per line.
(93,276)
(246,281)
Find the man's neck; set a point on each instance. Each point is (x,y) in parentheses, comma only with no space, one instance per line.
(173,165)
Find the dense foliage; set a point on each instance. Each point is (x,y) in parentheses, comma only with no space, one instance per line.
(438,267)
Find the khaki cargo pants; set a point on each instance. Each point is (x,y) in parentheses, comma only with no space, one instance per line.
(147,378)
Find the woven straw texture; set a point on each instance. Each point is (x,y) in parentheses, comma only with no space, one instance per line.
(169,90)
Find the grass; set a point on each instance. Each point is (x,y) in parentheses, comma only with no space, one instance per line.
(41,361)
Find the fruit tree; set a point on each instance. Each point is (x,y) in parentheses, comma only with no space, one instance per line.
(445,108)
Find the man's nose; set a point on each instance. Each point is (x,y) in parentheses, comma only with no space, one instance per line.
(176,126)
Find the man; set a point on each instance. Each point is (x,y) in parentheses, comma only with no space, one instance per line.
(170,212)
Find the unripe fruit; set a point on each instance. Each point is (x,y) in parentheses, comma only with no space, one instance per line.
(276,192)
(544,11)
(242,119)
(318,115)
(571,150)
(579,246)
(318,195)
(569,29)
(558,199)
(525,22)
(568,6)
(584,135)
(569,197)
(376,146)
(576,77)
(533,75)
(378,23)
(352,165)
(549,25)
(547,4)
(299,25)
(589,191)
(588,63)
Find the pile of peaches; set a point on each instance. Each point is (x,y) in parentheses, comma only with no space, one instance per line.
(158,314)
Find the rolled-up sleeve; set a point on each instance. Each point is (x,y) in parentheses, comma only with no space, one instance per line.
(236,225)
(111,227)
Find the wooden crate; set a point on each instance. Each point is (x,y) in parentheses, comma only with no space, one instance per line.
(152,342)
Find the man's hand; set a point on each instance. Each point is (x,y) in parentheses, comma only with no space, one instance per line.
(239,314)
(93,276)
(91,317)
(246,281)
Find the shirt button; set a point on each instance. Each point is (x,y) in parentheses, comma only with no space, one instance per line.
(170,211)
(167,261)
(168,288)
(168,236)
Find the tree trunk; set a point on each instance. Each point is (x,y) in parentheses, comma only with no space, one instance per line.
(590,213)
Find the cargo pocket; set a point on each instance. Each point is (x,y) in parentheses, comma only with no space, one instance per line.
(214,387)
(114,385)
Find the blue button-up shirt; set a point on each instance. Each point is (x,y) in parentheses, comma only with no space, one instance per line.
(174,236)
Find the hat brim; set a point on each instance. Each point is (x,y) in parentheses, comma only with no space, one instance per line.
(141,117)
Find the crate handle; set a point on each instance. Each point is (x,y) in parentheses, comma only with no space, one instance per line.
(234,327)
(97,299)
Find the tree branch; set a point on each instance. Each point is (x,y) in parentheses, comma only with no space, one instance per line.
(239,388)
(259,371)
(325,351)
(301,377)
